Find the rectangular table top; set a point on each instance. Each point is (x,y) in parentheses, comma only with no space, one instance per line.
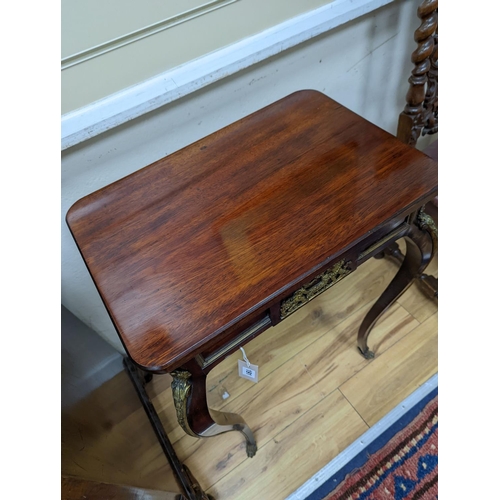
(183,248)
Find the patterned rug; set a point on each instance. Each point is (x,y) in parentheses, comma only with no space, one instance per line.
(401,464)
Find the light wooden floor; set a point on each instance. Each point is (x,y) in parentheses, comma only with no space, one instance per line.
(315,396)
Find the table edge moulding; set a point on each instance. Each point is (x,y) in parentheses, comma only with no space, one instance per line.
(203,250)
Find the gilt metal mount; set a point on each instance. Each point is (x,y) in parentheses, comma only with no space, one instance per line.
(426,223)
(181,387)
(312,289)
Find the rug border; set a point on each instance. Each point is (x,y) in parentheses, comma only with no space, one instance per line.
(354,456)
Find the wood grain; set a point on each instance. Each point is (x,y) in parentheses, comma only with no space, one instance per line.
(323,432)
(301,329)
(415,302)
(385,382)
(107,437)
(333,359)
(186,247)
(308,376)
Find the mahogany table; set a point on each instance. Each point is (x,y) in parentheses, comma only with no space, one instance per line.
(205,249)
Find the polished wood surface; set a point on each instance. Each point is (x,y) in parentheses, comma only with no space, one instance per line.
(300,420)
(183,249)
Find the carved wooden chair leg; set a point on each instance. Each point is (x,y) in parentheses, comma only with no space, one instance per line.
(193,414)
(421,244)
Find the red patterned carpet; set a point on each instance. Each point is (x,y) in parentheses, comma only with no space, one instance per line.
(405,468)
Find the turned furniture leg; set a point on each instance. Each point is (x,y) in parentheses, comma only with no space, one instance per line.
(193,413)
(393,251)
(421,244)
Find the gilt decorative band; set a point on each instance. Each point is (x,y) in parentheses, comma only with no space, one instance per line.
(181,387)
(312,289)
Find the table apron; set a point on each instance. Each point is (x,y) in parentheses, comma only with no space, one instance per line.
(233,344)
(302,293)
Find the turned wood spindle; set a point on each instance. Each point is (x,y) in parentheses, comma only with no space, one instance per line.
(423,80)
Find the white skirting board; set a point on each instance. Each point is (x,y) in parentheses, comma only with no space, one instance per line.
(362,442)
(121,107)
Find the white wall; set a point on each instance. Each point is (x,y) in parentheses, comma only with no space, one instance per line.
(108,46)
(364,65)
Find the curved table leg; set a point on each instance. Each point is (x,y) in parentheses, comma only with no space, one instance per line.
(427,283)
(187,482)
(193,414)
(421,244)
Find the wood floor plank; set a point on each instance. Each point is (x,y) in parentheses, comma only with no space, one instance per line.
(276,345)
(334,358)
(107,436)
(417,304)
(295,454)
(267,407)
(413,300)
(280,398)
(395,374)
